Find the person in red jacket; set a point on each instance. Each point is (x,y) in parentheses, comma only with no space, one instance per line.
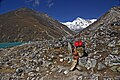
(78,52)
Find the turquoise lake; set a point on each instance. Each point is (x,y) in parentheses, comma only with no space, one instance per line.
(11,44)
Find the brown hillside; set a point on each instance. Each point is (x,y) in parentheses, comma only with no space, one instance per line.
(27,25)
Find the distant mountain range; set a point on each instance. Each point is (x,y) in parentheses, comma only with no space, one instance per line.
(79,23)
(25,24)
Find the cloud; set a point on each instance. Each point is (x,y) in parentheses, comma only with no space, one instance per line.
(50,3)
(36,3)
(33,2)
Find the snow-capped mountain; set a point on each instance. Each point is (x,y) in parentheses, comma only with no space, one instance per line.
(79,23)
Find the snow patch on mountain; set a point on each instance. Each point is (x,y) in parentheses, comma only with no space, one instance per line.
(79,23)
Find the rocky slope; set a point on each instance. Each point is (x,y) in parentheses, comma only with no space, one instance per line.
(25,24)
(51,60)
(102,41)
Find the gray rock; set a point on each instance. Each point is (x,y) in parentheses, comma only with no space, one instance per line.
(43,78)
(54,68)
(118,42)
(101,66)
(117,78)
(62,69)
(115,51)
(46,64)
(118,69)
(107,78)
(61,56)
(28,78)
(33,78)
(37,69)
(32,74)
(75,77)
(5,78)
(95,77)
(66,71)
(96,57)
(61,60)
(82,61)
(112,43)
(112,60)
(37,78)
(91,63)
(19,71)
(114,68)
(78,68)
(80,77)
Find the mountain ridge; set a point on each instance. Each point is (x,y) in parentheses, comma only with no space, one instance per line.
(25,24)
(79,23)
(114,11)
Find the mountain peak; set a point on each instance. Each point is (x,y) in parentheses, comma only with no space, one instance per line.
(24,9)
(79,23)
(79,18)
(25,24)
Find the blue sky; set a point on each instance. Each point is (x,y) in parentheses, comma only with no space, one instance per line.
(62,10)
